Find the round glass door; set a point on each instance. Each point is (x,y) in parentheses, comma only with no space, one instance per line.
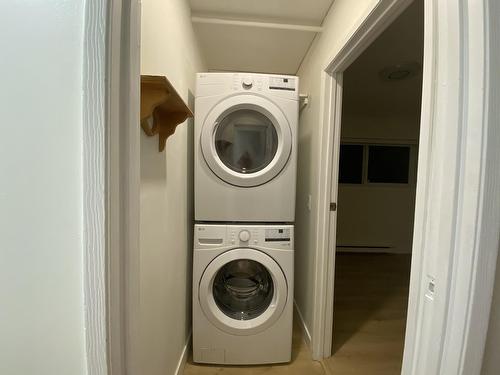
(243,289)
(246,140)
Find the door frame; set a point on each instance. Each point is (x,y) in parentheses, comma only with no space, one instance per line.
(123,185)
(371,25)
(111,183)
(457,212)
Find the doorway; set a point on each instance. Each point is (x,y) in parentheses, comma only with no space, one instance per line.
(376,188)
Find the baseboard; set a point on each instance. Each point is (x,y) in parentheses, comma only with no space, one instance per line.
(372,250)
(184,356)
(303,326)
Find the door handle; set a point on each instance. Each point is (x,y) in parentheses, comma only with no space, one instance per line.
(333,206)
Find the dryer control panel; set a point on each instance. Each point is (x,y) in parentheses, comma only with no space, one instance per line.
(282,83)
(267,236)
(283,86)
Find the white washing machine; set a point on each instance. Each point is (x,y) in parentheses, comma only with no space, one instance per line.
(242,294)
(245,147)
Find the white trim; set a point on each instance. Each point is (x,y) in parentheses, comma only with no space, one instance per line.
(265,25)
(123,183)
(94,181)
(179,370)
(459,212)
(115,298)
(303,327)
(371,25)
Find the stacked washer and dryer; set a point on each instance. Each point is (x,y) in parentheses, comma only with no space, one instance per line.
(245,176)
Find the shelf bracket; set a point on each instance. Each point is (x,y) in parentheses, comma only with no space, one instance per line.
(162,108)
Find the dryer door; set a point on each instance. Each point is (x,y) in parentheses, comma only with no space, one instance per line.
(243,291)
(246,140)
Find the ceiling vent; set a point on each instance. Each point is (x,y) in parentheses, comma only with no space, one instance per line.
(400,72)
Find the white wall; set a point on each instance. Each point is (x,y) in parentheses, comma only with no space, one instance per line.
(338,25)
(168,48)
(41,285)
(377,218)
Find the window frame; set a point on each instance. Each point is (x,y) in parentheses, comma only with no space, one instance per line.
(366,143)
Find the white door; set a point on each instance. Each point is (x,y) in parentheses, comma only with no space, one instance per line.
(243,291)
(246,140)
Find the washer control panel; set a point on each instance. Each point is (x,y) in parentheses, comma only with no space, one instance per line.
(271,236)
(277,234)
(263,236)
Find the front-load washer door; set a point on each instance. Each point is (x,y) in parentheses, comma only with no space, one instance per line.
(246,140)
(243,291)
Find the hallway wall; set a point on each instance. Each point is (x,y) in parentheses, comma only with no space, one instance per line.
(338,25)
(168,47)
(41,254)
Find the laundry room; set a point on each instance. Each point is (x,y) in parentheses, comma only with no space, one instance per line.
(222,243)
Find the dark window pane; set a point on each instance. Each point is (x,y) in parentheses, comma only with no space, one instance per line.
(351,164)
(388,164)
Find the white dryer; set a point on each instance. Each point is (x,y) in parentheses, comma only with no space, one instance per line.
(242,294)
(245,147)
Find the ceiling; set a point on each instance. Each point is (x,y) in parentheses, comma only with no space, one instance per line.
(401,43)
(271,36)
(304,12)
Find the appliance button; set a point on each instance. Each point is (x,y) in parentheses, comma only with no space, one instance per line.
(244,235)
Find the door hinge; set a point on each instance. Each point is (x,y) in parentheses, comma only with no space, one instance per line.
(333,206)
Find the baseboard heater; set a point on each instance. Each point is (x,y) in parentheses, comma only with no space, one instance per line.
(364,247)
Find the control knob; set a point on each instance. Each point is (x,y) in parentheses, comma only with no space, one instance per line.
(247,82)
(244,235)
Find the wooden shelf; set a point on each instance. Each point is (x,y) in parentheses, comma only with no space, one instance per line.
(162,109)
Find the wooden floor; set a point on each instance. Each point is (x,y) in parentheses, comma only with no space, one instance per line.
(371,297)
(371,293)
